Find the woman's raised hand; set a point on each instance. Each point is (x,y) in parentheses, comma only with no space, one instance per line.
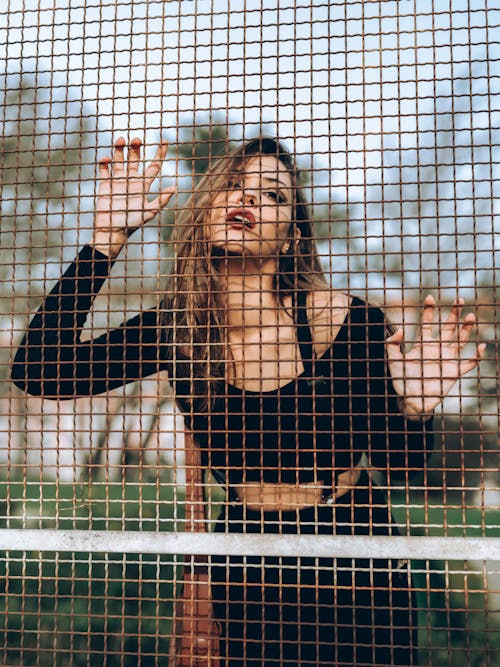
(425,374)
(122,199)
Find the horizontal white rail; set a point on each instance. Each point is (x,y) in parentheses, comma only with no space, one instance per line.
(318,546)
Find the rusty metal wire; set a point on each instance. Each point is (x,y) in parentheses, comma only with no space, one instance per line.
(389,109)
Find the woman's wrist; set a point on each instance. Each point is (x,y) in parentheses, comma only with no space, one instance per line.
(412,412)
(109,243)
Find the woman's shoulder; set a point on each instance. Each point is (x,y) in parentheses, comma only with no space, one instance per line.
(327,307)
(328,310)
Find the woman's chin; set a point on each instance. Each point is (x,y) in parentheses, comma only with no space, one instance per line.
(229,249)
(240,255)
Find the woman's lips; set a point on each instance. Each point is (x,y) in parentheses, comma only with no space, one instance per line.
(240,218)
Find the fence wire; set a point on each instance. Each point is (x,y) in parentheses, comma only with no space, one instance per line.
(347,521)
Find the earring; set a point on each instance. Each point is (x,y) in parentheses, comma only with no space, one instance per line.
(286,248)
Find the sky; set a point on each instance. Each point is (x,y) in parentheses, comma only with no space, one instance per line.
(340,80)
(360,89)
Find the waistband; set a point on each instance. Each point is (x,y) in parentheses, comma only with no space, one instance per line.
(264,497)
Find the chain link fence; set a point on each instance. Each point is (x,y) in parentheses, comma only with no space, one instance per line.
(390,109)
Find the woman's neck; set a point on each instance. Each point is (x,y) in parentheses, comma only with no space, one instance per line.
(250,297)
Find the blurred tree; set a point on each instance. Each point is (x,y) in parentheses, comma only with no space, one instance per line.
(45,155)
(428,226)
(199,143)
(45,147)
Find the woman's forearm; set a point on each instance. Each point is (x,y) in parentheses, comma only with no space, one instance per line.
(45,361)
(52,361)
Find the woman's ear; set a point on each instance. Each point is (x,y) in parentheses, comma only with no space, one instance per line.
(296,236)
(295,240)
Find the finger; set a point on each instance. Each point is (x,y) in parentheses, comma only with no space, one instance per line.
(394,344)
(160,202)
(469,364)
(154,167)
(104,173)
(449,329)
(466,328)
(166,195)
(118,154)
(134,155)
(427,323)
(397,337)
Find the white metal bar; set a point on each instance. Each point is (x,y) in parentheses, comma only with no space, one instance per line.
(318,546)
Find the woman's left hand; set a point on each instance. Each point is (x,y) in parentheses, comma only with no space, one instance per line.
(425,374)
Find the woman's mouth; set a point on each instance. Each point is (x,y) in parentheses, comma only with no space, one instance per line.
(241,219)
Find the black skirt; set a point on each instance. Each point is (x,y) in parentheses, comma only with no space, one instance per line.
(315,611)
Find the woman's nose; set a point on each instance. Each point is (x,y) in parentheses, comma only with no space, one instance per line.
(247,196)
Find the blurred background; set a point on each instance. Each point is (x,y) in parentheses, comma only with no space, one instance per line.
(392,111)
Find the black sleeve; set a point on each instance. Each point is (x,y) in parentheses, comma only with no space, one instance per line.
(398,446)
(53,362)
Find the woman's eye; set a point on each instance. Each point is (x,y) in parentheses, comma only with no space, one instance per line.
(277,196)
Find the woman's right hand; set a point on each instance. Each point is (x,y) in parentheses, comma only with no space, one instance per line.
(122,198)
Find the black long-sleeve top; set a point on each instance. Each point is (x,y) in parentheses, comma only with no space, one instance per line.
(315,426)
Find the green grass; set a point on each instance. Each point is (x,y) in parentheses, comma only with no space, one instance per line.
(452,520)
(83,609)
(456,627)
(80,609)
(99,506)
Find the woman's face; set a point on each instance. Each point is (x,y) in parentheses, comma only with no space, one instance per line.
(252,215)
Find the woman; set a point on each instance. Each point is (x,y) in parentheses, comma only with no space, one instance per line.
(286,385)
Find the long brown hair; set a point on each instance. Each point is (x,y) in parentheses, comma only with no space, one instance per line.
(194,316)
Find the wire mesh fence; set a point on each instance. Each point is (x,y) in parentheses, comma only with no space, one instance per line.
(303,180)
